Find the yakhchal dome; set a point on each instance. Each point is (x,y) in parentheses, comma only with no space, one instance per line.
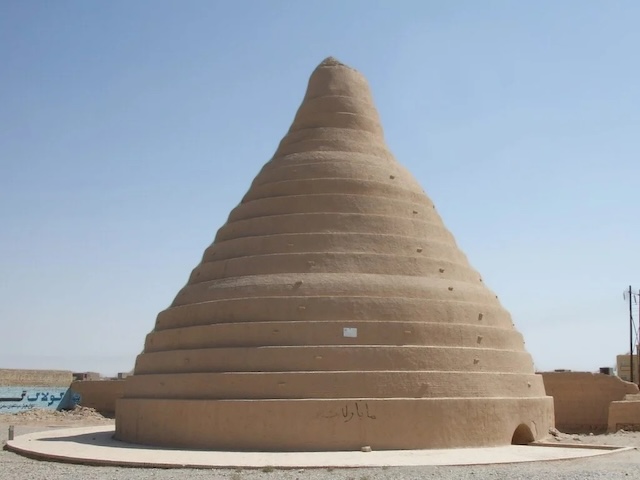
(333,311)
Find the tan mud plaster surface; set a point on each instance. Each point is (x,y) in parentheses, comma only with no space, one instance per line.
(334,310)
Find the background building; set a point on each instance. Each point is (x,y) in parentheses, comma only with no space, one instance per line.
(622,367)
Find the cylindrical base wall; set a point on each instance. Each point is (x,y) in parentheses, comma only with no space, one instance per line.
(331,425)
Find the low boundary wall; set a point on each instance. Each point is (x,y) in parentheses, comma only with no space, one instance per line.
(99,394)
(582,399)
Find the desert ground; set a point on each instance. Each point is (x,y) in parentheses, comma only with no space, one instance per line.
(623,465)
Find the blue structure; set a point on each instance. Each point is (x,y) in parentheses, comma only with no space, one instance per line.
(19,399)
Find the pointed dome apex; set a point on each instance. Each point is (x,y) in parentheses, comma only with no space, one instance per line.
(333,78)
(332,62)
(337,97)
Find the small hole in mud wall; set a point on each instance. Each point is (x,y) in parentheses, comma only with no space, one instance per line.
(522,435)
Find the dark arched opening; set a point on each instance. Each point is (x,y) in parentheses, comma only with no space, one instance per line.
(522,435)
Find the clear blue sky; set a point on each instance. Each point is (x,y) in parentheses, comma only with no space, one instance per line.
(130,129)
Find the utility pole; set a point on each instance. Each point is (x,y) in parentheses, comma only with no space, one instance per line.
(638,337)
(630,335)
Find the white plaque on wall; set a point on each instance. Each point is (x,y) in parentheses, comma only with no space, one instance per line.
(350,332)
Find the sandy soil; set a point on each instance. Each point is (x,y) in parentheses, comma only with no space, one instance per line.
(79,416)
(618,439)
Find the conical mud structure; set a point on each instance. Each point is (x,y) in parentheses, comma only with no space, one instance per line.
(334,310)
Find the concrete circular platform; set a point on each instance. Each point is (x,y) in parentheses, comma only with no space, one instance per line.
(96,446)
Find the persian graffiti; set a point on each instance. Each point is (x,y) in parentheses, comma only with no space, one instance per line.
(351,411)
(14,399)
(17,407)
(17,399)
(50,398)
(356,410)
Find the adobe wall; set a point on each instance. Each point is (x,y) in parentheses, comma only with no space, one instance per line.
(582,399)
(332,424)
(99,394)
(624,415)
(43,378)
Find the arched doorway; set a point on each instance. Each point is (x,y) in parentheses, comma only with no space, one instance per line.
(522,435)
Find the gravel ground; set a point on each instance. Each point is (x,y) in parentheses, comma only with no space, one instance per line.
(625,465)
